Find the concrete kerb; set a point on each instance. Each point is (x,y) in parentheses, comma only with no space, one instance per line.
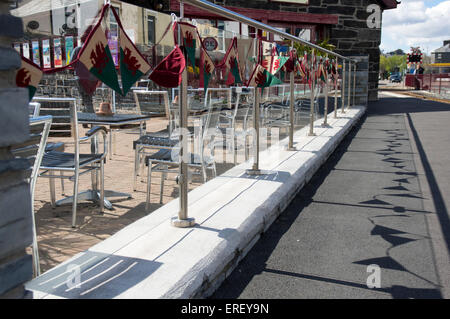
(232,212)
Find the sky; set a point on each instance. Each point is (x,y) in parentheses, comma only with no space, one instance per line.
(424,23)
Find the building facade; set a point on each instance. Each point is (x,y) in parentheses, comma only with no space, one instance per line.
(353,26)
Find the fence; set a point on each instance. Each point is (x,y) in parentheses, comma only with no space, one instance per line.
(435,83)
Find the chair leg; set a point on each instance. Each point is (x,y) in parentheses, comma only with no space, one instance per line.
(75,199)
(163,177)
(102,186)
(110,143)
(62,184)
(142,163)
(136,167)
(52,191)
(149,184)
(204,173)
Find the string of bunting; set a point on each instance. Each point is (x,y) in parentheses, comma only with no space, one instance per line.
(96,56)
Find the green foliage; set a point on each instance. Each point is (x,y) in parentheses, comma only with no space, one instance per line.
(388,64)
(301,48)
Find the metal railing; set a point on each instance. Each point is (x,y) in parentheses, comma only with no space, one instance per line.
(182,220)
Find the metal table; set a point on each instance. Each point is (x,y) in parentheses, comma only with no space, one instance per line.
(109,120)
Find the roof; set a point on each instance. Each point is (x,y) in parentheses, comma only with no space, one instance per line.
(445,48)
(388,4)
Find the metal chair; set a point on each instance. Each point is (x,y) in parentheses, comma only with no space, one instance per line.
(74,163)
(167,160)
(34,108)
(33,151)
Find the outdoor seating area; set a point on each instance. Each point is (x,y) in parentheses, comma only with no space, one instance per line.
(142,172)
(151,139)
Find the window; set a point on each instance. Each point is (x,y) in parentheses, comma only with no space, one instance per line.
(151,29)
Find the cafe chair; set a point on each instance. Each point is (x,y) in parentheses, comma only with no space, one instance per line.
(75,164)
(167,160)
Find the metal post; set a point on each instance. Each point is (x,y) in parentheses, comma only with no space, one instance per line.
(343,88)
(325,89)
(354,84)
(183,220)
(349,84)
(291,110)
(311,111)
(255,168)
(335,89)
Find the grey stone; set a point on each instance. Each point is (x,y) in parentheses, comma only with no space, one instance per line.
(10,59)
(15,272)
(11,26)
(15,236)
(15,204)
(14,118)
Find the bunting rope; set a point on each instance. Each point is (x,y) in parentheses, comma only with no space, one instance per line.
(96,56)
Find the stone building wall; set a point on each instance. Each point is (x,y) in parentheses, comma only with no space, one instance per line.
(351,35)
(15,201)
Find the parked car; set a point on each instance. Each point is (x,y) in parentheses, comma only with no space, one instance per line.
(396,78)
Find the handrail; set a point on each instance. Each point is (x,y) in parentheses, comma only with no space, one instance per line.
(214,8)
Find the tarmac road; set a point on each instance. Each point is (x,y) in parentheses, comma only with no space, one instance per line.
(381,199)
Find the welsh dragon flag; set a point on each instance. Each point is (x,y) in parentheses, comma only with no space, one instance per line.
(231,62)
(28,76)
(189,38)
(96,56)
(206,68)
(273,64)
(132,64)
(262,78)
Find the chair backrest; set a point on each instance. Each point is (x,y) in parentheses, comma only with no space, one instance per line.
(64,114)
(33,149)
(150,102)
(34,108)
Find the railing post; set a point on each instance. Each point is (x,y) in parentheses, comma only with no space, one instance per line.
(325,113)
(349,84)
(343,88)
(311,112)
(291,109)
(354,83)
(335,89)
(256,103)
(183,220)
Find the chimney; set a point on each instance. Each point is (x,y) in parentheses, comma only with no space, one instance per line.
(446,42)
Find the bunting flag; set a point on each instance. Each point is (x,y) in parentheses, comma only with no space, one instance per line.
(273,64)
(168,72)
(262,78)
(132,64)
(334,70)
(231,64)
(291,63)
(189,39)
(206,69)
(28,76)
(304,69)
(321,72)
(96,57)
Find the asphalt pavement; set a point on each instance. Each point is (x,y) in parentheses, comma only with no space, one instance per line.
(376,212)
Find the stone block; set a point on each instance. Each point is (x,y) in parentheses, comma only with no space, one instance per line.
(15,272)
(15,204)
(15,236)
(11,26)
(10,59)
(14,118)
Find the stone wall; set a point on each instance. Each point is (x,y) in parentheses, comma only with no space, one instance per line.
(15,201)
(351,35)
